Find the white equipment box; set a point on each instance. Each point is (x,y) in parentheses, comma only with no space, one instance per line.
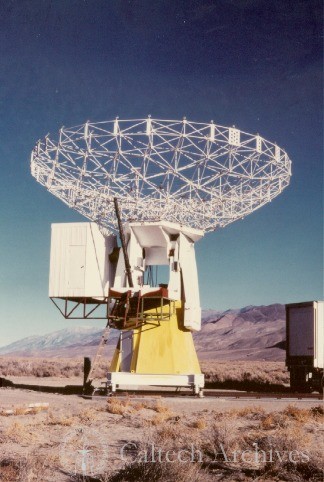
(79,263)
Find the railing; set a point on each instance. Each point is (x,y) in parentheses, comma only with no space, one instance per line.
(135,310)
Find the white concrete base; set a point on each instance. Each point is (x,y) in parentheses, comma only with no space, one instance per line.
(116,379)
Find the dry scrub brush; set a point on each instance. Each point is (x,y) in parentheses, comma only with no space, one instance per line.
(10,469)
(48,367)
(18,432)
(123,406)
(117,406)
(206,442)
(33,467)
(275,447)
(155,458)
(260,373)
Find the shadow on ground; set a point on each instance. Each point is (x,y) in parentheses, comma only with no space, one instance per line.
(248,386)
(67,390)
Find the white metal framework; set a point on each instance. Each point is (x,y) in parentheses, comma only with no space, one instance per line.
(196,174)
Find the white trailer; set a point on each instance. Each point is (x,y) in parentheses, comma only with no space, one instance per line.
(305,345)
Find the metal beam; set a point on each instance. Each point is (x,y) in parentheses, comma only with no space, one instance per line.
(123,242)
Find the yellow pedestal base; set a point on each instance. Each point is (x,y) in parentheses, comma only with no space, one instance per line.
(160,346)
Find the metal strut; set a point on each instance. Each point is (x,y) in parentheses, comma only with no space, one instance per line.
(124,247)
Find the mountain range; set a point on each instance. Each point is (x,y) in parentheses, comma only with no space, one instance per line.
(253,333)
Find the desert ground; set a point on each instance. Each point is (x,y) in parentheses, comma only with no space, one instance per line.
(57,437)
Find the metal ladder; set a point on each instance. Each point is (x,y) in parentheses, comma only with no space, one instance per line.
(102,344)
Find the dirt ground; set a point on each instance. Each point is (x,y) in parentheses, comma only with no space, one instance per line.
(12,396)
(46,441)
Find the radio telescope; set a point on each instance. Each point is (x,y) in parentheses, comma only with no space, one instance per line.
(160,184)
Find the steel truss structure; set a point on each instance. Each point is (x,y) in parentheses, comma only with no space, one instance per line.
(200,175)
(82,308)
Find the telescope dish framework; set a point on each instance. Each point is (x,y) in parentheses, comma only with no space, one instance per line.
(200,175)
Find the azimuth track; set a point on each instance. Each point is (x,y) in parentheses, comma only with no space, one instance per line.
(224,394)
(208,392)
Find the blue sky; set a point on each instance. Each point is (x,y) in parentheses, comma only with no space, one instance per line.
(253,63)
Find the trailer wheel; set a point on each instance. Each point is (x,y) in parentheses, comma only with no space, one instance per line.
(298,382)
(321,388)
